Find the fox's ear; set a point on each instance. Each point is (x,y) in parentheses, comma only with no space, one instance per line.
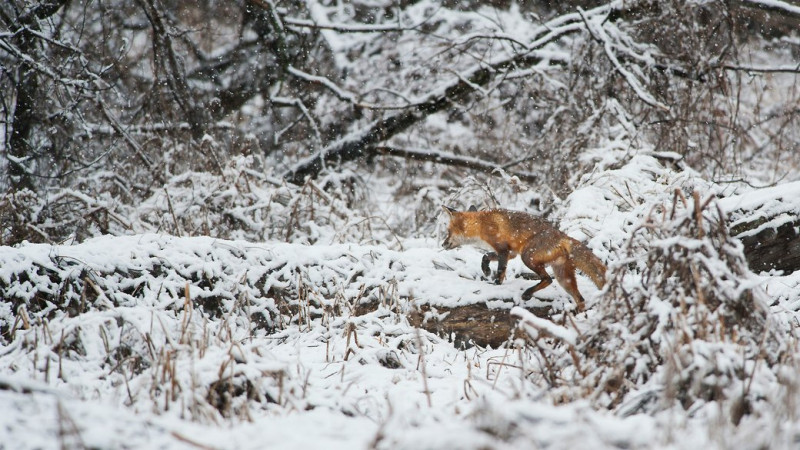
(472,208)
(449,210)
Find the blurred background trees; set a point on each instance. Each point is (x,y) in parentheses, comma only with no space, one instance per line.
(246,119)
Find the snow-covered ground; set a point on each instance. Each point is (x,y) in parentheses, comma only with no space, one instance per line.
(337,382)
(156,341)
(313,324)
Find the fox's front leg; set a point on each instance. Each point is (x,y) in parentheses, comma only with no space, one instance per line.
(487,258)
(502,262)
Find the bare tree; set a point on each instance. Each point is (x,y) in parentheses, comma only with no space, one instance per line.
(23,42)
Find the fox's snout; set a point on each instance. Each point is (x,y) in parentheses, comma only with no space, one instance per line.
(448,243)
(453,240)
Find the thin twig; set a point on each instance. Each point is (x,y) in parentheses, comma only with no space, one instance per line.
(421,364)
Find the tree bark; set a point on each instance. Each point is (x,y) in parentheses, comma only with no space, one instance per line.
(771,248)
(767,222)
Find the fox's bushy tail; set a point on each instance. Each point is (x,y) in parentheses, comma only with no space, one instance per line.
(589,264)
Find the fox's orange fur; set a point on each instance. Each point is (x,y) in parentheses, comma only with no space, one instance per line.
(539,243)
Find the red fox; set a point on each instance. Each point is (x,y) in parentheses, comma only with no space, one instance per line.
(539,243)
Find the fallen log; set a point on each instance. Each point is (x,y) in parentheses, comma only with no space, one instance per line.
(271,287)
(767,222)
(477,324)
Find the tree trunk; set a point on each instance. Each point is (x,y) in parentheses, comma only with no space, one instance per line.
(26,86)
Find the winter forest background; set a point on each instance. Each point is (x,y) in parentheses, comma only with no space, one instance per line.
(220,223)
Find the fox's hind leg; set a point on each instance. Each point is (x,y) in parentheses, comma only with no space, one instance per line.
(535,257)
(544,252)
(564,270)
(544,280)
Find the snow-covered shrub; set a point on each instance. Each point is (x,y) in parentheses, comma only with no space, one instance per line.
(682,319)
(57,216)
(244,203)
(696,321)
(169,324)
(18,212)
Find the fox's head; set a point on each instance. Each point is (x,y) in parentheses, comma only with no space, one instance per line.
(457,230)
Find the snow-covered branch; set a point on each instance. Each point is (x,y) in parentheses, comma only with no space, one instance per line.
(354,145)
(328,84)
(347,28)
(451,159)
(776,6)
(599,34)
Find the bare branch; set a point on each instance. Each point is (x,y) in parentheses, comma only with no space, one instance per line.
(281,50)
(137,149)
(599,34)
(41,11)
(762,69)
(354,145)
(169,62)
(776,6)
(297,103)
(451,159)
(346,28)
(493,36)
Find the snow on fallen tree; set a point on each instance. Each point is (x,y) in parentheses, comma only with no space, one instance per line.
(179,325)
(264,287)
(767,221)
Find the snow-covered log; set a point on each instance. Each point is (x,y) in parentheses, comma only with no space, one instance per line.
(767,221)
(268,287)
